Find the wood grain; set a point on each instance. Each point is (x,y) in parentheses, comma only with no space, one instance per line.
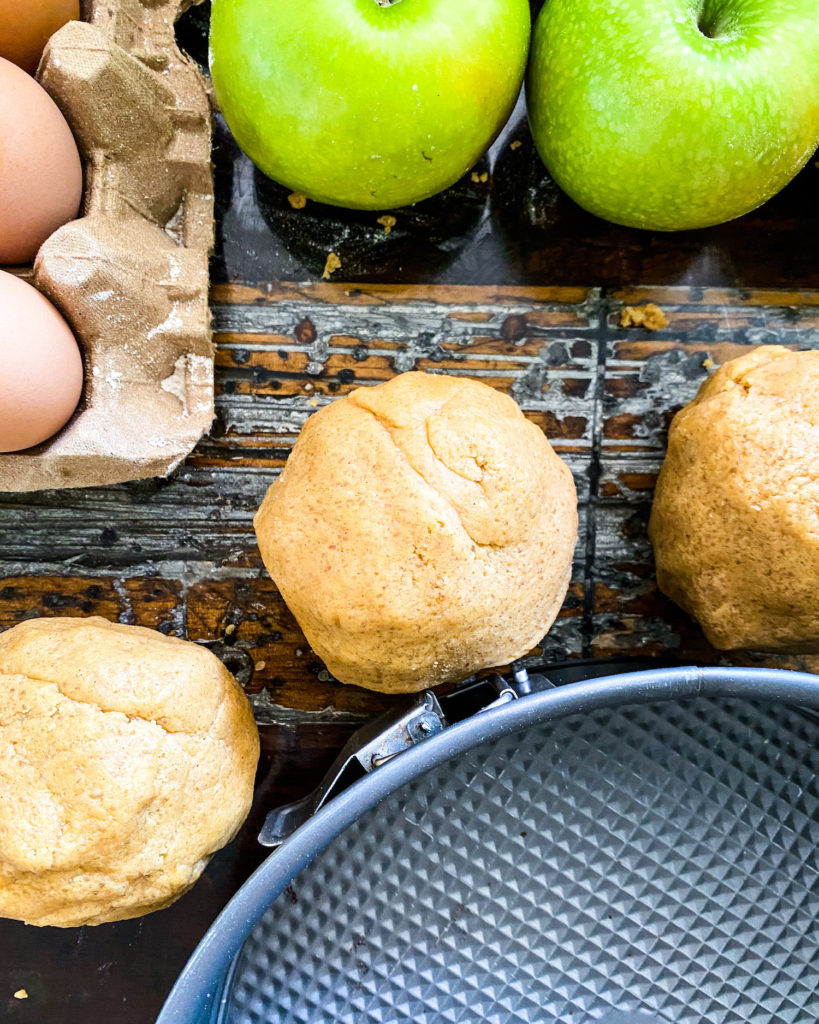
(505,280)
(180,554)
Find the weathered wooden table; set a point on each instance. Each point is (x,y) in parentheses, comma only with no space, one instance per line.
(502,278)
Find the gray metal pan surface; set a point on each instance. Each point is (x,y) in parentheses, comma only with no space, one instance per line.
(633,850)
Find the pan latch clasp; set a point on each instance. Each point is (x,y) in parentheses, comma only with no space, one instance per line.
(422,716)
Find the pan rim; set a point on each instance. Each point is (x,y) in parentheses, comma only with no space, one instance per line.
(201,987)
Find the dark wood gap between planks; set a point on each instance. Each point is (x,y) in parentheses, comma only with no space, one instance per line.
(179,555)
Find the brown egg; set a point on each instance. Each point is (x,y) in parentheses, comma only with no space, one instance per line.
(41,371)
(27,25)
(40,169)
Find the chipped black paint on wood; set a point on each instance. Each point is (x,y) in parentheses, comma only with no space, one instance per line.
(180,554)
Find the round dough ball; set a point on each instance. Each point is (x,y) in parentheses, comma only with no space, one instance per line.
(127,759)
(421,530)
(735,523)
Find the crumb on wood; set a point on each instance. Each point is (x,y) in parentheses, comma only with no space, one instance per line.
(297,200)
(387,222)
(21,994)
(516,144)
(708,363)
(260,665)
(331,266)
(230,629)
(480,179)
(649,316)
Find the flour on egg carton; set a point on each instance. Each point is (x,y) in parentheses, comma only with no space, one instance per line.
(131,275)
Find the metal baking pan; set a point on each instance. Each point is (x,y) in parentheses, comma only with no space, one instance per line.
(636,849)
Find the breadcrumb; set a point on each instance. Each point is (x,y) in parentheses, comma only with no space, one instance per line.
(387,222)
(649,316)
(331,266)
(297,200)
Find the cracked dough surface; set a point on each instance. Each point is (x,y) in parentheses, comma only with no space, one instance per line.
(421,530)
(735,522)
(127,758)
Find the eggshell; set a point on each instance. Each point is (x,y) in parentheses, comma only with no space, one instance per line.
(27,25)
(40,169)
(41,372)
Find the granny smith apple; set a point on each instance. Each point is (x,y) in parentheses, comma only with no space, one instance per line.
(365,103)
(671,114)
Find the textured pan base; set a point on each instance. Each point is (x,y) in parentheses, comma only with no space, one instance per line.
(656,861)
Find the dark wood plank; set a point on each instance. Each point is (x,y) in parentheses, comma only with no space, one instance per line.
(516,228)
(180,555)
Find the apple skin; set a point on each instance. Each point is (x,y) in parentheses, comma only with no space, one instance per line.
(646,121)
(365,106)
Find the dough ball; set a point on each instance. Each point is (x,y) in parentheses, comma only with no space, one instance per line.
(127,758)
(735,524)
(420,531)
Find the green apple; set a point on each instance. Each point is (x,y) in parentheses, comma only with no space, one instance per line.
(365,103)
(670,114)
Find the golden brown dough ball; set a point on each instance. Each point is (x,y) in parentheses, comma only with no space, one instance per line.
(127,759)
(420,531)
(735,523)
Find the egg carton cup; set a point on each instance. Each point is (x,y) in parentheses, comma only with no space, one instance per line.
(131,275)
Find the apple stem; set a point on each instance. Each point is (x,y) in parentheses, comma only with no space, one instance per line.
(711,19)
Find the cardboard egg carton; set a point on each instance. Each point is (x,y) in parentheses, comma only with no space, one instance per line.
(131,275)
